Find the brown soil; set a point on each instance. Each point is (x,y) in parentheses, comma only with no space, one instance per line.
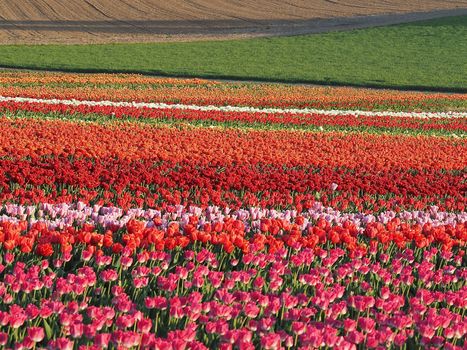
(103,21)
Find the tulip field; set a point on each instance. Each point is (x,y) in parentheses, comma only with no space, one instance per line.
(159,213)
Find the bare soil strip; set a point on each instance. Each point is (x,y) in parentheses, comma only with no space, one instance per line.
(109,21)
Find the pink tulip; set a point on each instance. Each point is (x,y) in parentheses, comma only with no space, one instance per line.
(298,328)
(366,324)
(148,341)
(427,331)
(102,339)
(17,317)
(86,255)
(4,318)
(3,338)
(131,339)
(36,334)
(349,325)
(270,341)
(122,303)
(372,341)
(140,282)
(355,337)
(266,323)
(144,325)
(330,338)
(109,275)
(126,262)
(400,339)
(176,309)
(125,321)
(63,344)
(9,258)
(225,346)
(76,330)
(251,310)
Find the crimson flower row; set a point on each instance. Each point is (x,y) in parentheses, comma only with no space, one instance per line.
(344,121)
(135,183)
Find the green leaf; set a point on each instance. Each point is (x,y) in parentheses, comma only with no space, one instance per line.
(48,330)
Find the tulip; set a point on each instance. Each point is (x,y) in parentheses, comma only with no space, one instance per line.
(3,338)
(251,310)
(102,339)
(36,334)
(271,341)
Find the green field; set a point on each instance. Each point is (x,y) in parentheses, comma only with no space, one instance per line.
(423,55)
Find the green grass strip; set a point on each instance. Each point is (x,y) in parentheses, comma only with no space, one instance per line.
(428,55)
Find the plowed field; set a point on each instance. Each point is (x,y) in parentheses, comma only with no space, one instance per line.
(101,21)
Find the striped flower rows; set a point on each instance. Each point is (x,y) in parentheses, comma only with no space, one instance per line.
(452,124)
(301,111)
(178,281)
(147,213)
(62,215)
(129,88)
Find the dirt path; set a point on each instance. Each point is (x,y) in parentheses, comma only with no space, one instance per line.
(102,21)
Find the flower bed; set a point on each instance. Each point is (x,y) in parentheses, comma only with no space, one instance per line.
(139,227)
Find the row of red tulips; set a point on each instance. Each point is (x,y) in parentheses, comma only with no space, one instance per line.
(151,183)
(378,122)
